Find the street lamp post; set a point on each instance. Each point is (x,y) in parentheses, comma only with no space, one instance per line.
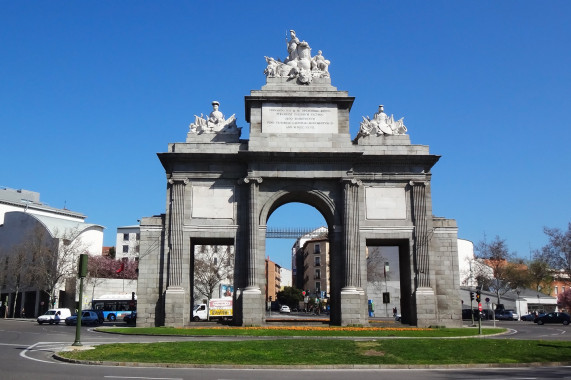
(385,270)
(517,302)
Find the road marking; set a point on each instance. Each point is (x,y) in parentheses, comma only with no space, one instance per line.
(147,378)
(24,353)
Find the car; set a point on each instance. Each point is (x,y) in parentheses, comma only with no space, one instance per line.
(285,309)
(528,317)
(131,318)
(553,318)
(88,317)
(54,316)
(99,313)
(507,315)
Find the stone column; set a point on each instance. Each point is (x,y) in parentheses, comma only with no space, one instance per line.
(175,293)
(176,234)
(353,298)
(421,238)
(351,245)
(426,313)
(253,312)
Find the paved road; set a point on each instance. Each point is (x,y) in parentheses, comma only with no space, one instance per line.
(26,350)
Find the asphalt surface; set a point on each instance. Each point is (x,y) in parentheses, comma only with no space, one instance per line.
(27,351)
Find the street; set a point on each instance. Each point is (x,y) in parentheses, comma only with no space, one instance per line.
(27,349)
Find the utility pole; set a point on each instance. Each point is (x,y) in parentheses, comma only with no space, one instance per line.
(82,273)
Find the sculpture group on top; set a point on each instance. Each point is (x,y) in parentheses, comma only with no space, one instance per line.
(214,123)
(382,124)
(299,63)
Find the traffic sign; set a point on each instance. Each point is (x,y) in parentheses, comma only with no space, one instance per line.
(480,306)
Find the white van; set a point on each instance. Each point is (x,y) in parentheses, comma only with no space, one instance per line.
(50,316)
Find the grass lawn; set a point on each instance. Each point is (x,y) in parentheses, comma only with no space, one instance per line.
(312,352)
(305,331)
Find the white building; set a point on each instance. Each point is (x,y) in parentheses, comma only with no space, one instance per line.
(286,279)
(466,262)
(24,218)
(128,242)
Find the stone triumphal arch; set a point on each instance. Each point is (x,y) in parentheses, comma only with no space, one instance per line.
(371,190)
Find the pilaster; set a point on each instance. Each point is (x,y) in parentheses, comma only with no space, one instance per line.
(353,298)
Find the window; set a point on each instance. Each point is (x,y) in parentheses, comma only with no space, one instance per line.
(125,236)
(125,249)
(318,286)
(317,248)
(556,289)
(562,289)
(317,274)
(318,261)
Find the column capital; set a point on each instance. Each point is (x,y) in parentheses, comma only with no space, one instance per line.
(252,180)
(418,183)
(184,181)
(352,181)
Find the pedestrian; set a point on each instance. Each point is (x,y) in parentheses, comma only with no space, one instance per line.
(23,313)
(394,311)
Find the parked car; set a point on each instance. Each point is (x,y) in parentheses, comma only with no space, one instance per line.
(285,309)
(54,316)
(99,313)
(131,318)
(88,317)
(507,315)
(528,317)
(553,318)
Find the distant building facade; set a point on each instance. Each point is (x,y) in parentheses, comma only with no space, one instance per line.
(128,243)
(297,256)
(273,280)
(315,267)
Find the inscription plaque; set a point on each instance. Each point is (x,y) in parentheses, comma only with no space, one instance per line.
(212,202)
(385,203)
(299,118)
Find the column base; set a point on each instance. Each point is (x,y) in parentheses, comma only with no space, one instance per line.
(252,307)
(174,307)
(353,307)
(425,307)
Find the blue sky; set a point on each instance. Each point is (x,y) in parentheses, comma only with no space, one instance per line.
(90,91)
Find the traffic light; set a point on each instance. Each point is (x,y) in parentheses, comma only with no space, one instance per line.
(472,296)
(478,296)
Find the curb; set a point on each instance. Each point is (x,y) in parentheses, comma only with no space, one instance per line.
(333,366)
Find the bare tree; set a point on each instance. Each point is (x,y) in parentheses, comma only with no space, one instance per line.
(495,269)
(376,273)
(213,264)
(557,252)
(17,274)
(54,259)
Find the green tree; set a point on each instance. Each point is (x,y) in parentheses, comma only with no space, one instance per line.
(290,296)
(112,252)
(540,274)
